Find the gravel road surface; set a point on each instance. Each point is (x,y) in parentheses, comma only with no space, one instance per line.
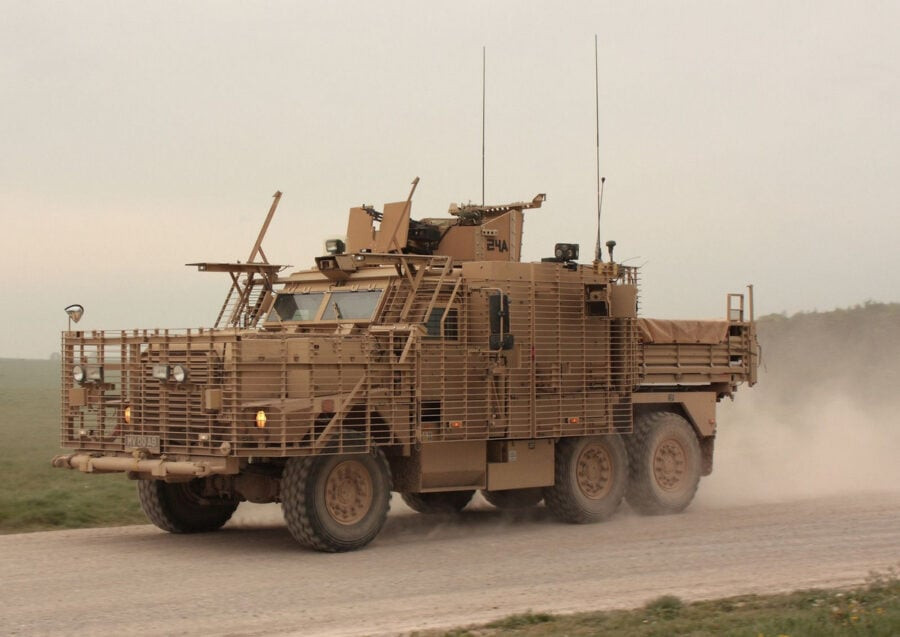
(424,571)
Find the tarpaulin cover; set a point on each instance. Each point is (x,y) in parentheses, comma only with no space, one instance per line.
(665,331)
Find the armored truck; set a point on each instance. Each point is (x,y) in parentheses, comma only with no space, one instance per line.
(416,356)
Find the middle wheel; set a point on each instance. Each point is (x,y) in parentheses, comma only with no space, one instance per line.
(591,475)
(336,503)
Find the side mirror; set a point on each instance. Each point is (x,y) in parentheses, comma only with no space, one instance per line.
(498,310)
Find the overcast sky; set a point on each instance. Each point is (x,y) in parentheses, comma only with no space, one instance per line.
(743,142)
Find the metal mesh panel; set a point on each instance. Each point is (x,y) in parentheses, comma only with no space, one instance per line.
(316,393)
(430,367)
(566,373)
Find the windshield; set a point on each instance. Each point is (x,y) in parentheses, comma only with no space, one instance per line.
(346,304)
(296,307)
(341,304)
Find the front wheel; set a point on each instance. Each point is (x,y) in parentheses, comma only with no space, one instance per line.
(336,503)
(180,507)
(590,478)
(665,464)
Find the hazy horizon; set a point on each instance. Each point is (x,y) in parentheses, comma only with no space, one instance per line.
(741,144)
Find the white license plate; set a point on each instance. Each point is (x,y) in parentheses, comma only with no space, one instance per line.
(150,443)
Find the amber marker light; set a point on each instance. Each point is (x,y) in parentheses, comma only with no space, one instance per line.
(260,419)
(574,420)
(127,415)
(456,424)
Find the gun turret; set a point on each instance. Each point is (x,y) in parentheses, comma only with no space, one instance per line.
(472,233)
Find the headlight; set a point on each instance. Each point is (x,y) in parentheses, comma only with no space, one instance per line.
(180,373)
(127,415)
(78,374)
(335,246)
(161,372)
(261,419)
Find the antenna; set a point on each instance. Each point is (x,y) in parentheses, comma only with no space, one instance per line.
(598,253)
(483,93)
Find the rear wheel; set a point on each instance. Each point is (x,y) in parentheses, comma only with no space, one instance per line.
(514,498)
(590,478)
(336,503)
(665,464)
(443,502)
(180,507)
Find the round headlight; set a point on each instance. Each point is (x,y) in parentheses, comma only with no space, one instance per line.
(179,373)
(78,373)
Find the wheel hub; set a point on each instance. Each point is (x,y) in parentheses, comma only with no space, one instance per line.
(594,471)
(669,464)
(348,492)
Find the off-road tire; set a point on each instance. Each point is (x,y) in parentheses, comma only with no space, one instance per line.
(590,478)
(178,508)
(510,499)
(665,462)
(440,502)
(336,503)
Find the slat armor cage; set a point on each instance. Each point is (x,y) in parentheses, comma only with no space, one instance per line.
(423,369)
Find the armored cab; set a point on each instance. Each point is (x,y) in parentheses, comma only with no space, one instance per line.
(421,357)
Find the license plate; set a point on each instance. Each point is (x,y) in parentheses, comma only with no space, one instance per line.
(150,443)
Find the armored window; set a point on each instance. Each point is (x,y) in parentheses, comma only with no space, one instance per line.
(451,323)
(349,305)
(296,307)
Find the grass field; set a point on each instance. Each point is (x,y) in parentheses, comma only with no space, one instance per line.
(871,610)
(35,495)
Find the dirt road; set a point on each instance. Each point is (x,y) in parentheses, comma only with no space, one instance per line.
(423,571)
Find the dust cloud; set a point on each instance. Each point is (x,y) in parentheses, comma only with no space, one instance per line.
(829,445)
(823,419)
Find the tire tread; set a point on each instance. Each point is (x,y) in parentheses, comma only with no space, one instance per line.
(298,487)
(640,493)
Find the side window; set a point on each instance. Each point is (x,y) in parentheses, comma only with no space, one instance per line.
(351,305)
(451,323)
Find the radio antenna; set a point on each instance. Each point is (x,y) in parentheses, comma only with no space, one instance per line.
(598,253)
(483,93)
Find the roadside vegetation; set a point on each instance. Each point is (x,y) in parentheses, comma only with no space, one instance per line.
(871,610)
(37,496)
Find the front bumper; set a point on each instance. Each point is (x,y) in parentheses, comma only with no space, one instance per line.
(157,468)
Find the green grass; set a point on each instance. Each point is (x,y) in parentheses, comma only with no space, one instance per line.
(35,495)
(870,610)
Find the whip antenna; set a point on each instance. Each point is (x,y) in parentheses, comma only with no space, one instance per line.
(483,92)
(598,254)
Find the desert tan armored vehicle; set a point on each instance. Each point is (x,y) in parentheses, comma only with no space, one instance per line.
(420,357)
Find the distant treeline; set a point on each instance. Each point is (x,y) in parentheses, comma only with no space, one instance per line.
(854,350)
